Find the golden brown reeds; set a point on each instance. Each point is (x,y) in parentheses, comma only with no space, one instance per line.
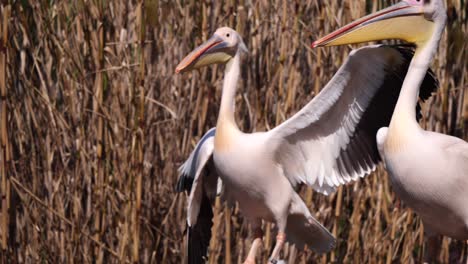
(94,124)
(5,151)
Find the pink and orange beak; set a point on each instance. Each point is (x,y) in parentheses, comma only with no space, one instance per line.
(404,20)
(214,50)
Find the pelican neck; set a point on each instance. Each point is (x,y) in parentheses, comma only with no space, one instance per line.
(231,76)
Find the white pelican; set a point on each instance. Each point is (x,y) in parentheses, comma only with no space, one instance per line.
(329,142)
(428,170)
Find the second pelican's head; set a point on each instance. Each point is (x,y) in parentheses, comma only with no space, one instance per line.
(413,21)
(220,48)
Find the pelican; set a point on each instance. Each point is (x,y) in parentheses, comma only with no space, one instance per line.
(428,170)
(330,142)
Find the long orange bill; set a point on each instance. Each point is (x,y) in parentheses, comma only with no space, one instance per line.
(190,60)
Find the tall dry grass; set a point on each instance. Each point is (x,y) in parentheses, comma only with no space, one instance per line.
(94,124)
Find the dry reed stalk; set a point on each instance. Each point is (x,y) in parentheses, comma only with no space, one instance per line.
(282,58)
(215,237)
(61,216)
(227,234)
(5,144)
(393,229)
(339,198)
(139,136)
(99,179)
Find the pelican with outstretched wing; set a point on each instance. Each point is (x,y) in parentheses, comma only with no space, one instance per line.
(428,170)
(330,142)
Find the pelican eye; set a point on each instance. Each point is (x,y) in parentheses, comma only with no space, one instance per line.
(227,35)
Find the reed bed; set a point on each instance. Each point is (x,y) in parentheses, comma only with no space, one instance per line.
(94,124)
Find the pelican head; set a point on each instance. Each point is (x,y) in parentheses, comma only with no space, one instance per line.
(413,21)
(220,48)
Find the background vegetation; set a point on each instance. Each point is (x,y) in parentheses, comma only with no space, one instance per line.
(94,124)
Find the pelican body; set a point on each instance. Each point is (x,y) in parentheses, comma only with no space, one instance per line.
(246,163)
(428,170)
(330,142)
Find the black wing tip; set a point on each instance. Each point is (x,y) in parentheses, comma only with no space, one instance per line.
(199,235)
(183,184)
(195,250)
(327,247)
(429,85)
(178,186)
(331,245)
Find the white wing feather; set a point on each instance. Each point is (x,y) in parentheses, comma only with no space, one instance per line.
(313,146)
(195,197)
(192,170)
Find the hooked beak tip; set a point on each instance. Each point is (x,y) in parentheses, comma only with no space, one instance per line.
(314,44)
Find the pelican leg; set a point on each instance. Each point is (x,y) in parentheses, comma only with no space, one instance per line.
(280,239)
(256,244)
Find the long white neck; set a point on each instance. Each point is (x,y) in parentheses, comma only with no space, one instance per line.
(405,110)
(231,76)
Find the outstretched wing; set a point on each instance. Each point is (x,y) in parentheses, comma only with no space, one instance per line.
(332,140)
(198,176)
